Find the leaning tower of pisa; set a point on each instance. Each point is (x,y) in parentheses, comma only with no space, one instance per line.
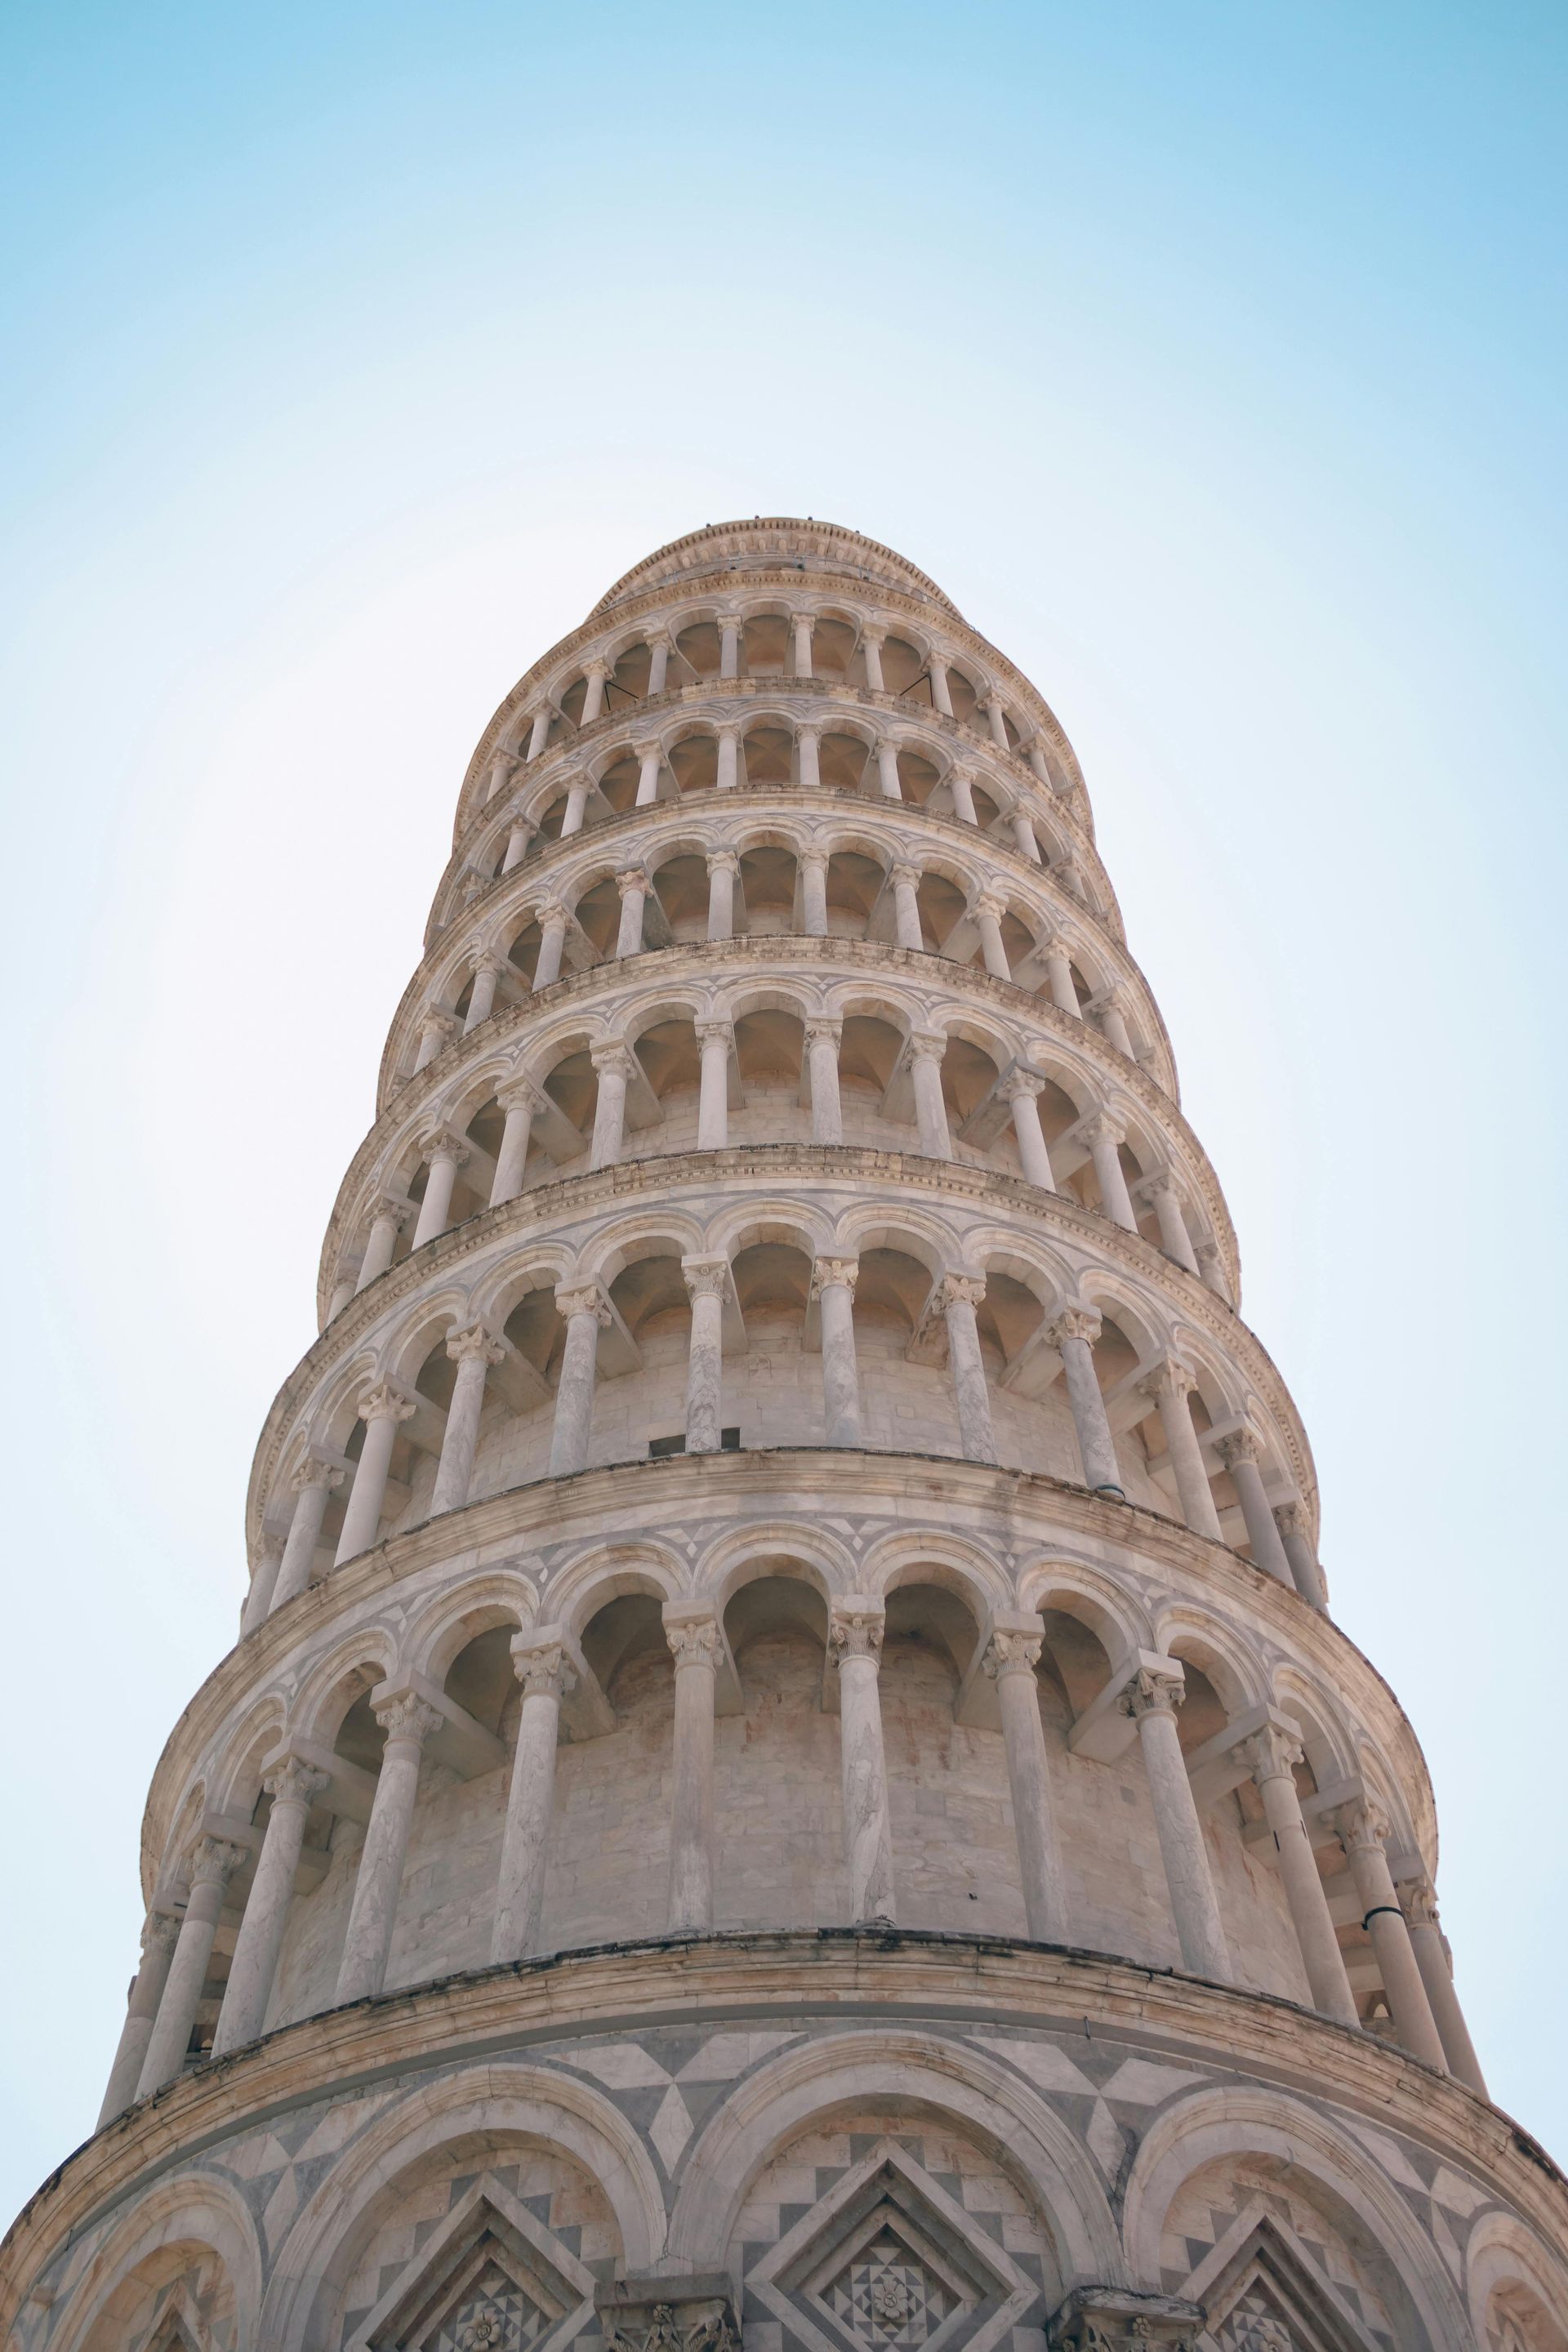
(788,1778)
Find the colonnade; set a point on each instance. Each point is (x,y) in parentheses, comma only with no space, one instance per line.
(1148,1688)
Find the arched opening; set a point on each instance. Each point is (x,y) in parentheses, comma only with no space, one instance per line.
(609,1848)
(694,763)
(955,1854)
(778,1862)
(854,886)
(767,754)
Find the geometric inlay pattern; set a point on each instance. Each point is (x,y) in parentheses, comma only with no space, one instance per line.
(495,2316)
(886,2297)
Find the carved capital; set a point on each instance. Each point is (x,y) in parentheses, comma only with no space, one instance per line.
(443,1024)
(407,1716)
(812,861)
(436,1143)
(385,1209)
(1103,1129)
(645,751)
(1290,1519)
(714,1033)
(613,1060)
(384,1403)
(311,1472)
(1271,1754)
(821,1031)
(873,635)
(1153,1690)
(214,1859)
(905,874)
(927,1044)
(694,1642)
(854,1633)
(705,1277)
(1020,1082)
(597,668)
(583,1298)
(1419,1903)
(633,878)
(1169,1379)
(1011,1653)
(723,861)
(541,1667)
(1241,1445)
(1362,1824)
(834,1274)
(294,1782)
(475,1339)
(1120,2319)
(958,1290)
(160,1933)
(520,1094)
(1073,1323)
(988,904)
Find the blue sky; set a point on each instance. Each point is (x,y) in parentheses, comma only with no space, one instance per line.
(1208,356)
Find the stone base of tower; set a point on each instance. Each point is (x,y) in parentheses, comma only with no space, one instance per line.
(840,2141)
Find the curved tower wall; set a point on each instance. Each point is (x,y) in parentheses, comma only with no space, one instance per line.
(788,1771)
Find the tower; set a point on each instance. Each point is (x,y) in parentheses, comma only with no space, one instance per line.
(788,1774)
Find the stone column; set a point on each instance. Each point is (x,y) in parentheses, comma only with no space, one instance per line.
(577,807)
(1170,1385)
(1073,1333)
(501,766)
(343,1289)
(445,1155)
(1241,1453)
(808,744)
(519,841)
(1151,1699)
(707,1283)
(1361,1831)
(729,645)
(1174,1238)
(958,1296)
(482,1000)
(434,1028)
(659,652)
(264,1571)
(381,1410)
(814,892)
(1023,834)
(293,1786)
(1010,1661)
(539,733)
(160,1933)
(593,694)
(723,866)
(871,643)
(408,1722)
(520,1101)
(988,913)
(552,946)
(941,692)
(729,759)
(803,632)
(715,1040)
(539,1662)
(633,888)
(833,1285)
(1211,1272)
(961,783)
(1058,975)
(998,722)
(1270,1755)
(1431,1949)
(927,1048)
(887,770)
(213,1863)
(695,1644)
(614,1064)
(1037,760)
(1103,1137)
(1290,1519)
(855,1647)
(647,759)
(313,1483)
(822,1038)
(473,1349)
(1113,1021)
(585,1312)
(1024,1089)
(907,906)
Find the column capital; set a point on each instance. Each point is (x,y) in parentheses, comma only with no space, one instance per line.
(1169,1378)
(1073,1323)
(1272,1754)
(384,1208)
(312,1472)
(475,885)
(1362,1824)
(1020,1081)
(873,633)
(520,1094)
(1155,1186)
(542,1666)
(1155,1690)
(647,749)
(987,902)
(729,730)
(721,1030)
(834,1274)
(597,668)
(694,1641)
(1241,1445)
(1419,1903)
(292,1781)
(823,1029)
(1103,1128)
(906,870)
(439,1143)
(631,878)
(160,1933)
(545,911)
(475,1339)
(212,1861)
(814,856)
(384,1403)
(956,1288)
(705,1277)
(612,1060)
(1121,2319)
(927,1044)
(405,1716)
(723,861)
(574,1298)
(854,1632)
(809,726)
(1290,1518)
(1011,1653)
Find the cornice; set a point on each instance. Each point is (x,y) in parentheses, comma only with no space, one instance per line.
(704,693)
(764,1164)
(760,537)
(849,590)
(904,1978)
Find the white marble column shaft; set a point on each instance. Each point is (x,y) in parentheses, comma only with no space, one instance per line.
(1270,1755)
(1151,1699)
(833,1278)
(633,888)
(814,892)
(1010,1661)
(293,1786)
(613,1066)
(1241,1453)
(585,1313)
(408,1722)
(212,1865)
(1073,1333)
(381,1411)
(541,1665)
(1170,1386)
(715,1040)
(695,1644)
(723,866)
(552,946)
(958,1296)
(1362,1831)
(445,1155)
(520,1102)
(160,1934)
(907,907)
(313,1483)
(927,1050)
(855,1638)
(473,1349)
(821,1041)
(1024,1091)
(1430,1946)
(707,1284)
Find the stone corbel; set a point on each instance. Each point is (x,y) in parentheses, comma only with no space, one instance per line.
(976,1706)
(691,2313)
(1220,1765)
(1120,2319)
(1105,1730)
(464,1747)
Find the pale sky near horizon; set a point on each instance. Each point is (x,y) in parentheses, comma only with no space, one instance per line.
(1209,357)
